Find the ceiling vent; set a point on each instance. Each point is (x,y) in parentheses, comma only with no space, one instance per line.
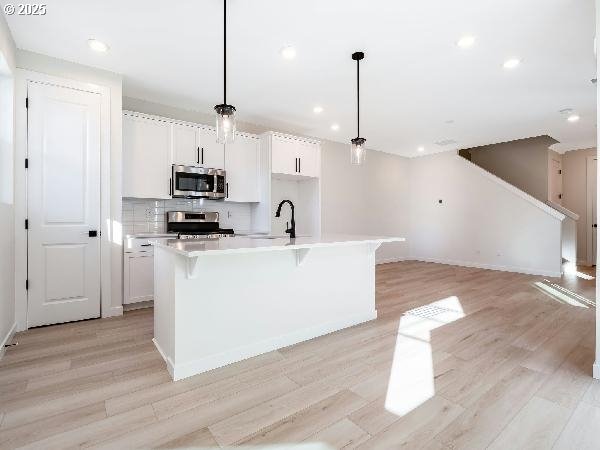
(446,142)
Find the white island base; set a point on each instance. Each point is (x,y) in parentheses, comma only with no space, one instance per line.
(220,302)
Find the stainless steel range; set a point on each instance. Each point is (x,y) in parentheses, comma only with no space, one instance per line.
(196,225)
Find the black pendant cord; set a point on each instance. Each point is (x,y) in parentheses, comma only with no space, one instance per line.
(224,52)
(357,98)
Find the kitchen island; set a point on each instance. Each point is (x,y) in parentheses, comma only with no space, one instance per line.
(223,300)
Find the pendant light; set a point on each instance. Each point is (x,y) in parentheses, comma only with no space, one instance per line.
(225,114)
(357,148)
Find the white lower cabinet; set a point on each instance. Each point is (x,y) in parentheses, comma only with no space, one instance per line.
(138,279)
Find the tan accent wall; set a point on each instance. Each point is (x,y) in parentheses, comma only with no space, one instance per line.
(523,163)
(575,193)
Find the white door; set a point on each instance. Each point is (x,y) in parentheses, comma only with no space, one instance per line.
(186,150)
(212,154)
(146,157)
(555,181)
(63,204)
(242,172)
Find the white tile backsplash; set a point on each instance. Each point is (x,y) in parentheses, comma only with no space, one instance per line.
(148,216)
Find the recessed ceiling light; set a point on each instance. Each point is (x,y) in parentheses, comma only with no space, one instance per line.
(421,149)
(335,127)
(466,41)
(573,118)
(97,46)
(511,63)
(288,52)
(318,109)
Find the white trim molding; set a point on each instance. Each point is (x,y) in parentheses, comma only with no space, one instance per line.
(23,77)
(9,336)
(526,271)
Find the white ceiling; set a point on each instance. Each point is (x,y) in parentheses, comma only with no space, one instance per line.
(414,79)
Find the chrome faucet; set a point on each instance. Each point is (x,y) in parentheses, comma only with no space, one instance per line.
(290,230)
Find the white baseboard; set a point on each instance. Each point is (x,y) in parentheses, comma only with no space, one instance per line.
(390,260)
(189,368)
(7,339)
(113,311)
(527,271)
(170,365)
(596,370)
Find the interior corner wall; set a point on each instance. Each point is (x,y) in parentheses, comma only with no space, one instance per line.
(369,199)
(7,151)
(80,73)
(523,163)
(479,222)
(574,167)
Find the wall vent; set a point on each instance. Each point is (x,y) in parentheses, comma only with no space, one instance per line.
(446,142)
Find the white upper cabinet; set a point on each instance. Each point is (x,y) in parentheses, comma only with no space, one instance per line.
(295,156)
(196,146)
(146,157)
(242,169)
(284,158)
(152,144)
(309,159)
(186,148)
(212,154)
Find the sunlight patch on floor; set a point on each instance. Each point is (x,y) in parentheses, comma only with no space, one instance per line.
(563,295)
(411,380)
(571,269)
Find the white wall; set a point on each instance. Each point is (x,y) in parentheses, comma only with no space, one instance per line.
(597,362)
(72,71)
(7,255)
(482,222)
(369,199)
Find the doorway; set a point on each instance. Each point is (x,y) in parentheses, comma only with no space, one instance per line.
(555,182)
(591,221)
(63,204)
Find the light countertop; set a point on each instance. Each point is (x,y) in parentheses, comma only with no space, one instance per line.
(246,244)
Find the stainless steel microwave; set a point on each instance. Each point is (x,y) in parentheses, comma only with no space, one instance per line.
(197,182)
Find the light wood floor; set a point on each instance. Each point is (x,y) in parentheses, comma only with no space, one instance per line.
(514,372)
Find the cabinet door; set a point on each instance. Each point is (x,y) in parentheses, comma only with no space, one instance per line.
(185,145)
(212,154)
(146,157)
(308,155)
(138,277)
(242,167)
(284,155)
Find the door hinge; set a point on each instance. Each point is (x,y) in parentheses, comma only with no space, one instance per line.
(560,172)
(26,285)
(26,102)
(559,195)
(26,224)
(26,163)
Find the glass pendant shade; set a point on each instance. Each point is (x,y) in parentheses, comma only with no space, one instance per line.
(225,123)
(358,151)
